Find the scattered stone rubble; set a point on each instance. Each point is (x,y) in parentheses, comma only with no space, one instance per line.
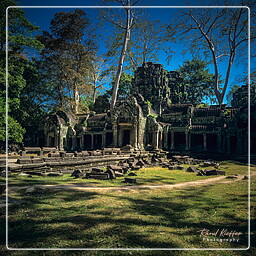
(106,164)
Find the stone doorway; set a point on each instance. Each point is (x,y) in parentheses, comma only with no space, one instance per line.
(197,141)
(87,141)
(69,146)
(109,138)
(212,142)
(126,137)
(97,141)
(179,140)
(51,141)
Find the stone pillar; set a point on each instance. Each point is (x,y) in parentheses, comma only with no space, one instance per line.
(56,140)
(82,142)
(73,143)
(115,135)
(165,138)
(187,141)
(160,140)
(61,146)
(47,141)
(136,137)
(120,135)
(155,139)
(103,140)
(172,139)
(205,142)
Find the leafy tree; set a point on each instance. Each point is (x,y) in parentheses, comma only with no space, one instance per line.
(231,92)
(20,41)
(69,48)
(195,83)
(238,95)
(98,76)
(145,42)
(124,87)
(126,27)
(221,34)
(102,102)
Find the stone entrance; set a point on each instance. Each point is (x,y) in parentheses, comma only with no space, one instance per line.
(179,140)
(126,137)
(109,138)
(197,141)
(97,141)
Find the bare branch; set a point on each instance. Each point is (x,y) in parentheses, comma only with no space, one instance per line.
(114,22)
(214,22)
(221,55)
(243,40)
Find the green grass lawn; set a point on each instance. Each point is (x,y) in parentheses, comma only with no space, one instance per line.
(145,176)
(156,218)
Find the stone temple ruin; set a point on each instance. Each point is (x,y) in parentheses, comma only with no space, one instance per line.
(147,120)
(143,130)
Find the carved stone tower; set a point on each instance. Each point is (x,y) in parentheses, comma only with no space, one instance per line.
(151,81)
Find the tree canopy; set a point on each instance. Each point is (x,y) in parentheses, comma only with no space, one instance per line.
(195,83)
(70,67)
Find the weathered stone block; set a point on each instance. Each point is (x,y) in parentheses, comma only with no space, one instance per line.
(111,174)
(37,160)
(54,155)
(192,169)
(129,180)
(102,176)
(77,174)
(24,161)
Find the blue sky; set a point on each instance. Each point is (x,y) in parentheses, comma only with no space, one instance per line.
(42,18)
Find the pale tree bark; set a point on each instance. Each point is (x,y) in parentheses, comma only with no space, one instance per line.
(129,22)
(98,75)
(234,35)
(77,99)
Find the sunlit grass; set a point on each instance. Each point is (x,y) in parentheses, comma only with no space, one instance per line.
(145,176)
(149,218)
(146,218)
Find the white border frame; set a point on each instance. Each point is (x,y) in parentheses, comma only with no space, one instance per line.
(133,249)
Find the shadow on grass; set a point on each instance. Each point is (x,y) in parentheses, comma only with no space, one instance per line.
(172,220)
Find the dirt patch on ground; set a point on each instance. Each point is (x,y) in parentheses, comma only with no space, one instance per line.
(215,180)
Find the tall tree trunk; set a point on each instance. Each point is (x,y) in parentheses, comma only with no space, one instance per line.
(122,57)
(94,92)
(76,99)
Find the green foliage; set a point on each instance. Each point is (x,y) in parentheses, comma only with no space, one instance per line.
(149,103)
(21,88)
(194,84)
(203,105)
(86,104)
(69,49)
(20,30)
(153,115)
(124,86)
(230,93)
(227,112)
(15,131)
